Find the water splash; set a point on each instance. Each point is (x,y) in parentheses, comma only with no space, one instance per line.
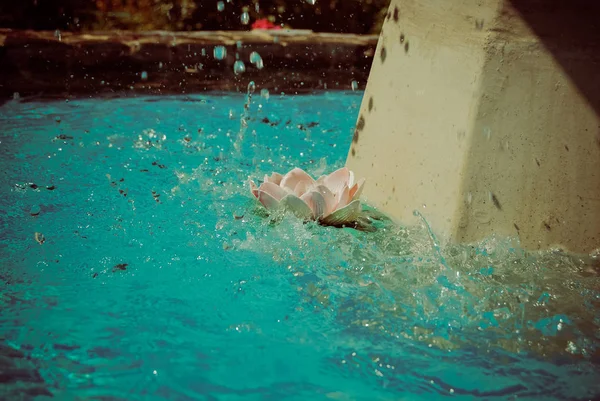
(245,18)
(244,119)
(257,60)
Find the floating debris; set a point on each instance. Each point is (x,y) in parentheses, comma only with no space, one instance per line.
(271,123)
(120,267)
(39,237)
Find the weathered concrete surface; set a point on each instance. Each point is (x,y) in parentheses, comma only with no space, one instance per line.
(486,123)
(49,63)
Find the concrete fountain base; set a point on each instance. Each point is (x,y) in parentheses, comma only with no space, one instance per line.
(484,116)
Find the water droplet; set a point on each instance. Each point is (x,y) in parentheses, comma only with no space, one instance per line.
(57,35)
(16,96)
(239,44)
(220,6)
(245,18)
(256,60)
(239,67)
(144,75)
(203,52)
(264,93)
(251,87)
(256,7)
(219,52)
(35,210)
(354,85)
(160,65)
(311,2)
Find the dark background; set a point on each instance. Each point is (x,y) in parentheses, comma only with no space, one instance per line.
(341,16)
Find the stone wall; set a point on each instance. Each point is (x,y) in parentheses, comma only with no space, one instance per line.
(62,64)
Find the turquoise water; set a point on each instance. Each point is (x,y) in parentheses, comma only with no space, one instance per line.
(156,278)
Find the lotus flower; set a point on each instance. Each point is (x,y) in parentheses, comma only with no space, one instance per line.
(331,200)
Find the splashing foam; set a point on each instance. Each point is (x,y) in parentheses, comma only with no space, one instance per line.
(399,283)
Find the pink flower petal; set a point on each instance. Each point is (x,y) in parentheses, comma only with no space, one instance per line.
(253,188)
(297,206)
(316,202)
(346,215)
(343,198)
(275,178)
(267,200)
(273,189)
(328,197)
(302,187)
(291,179)
(356,190)
(336,180)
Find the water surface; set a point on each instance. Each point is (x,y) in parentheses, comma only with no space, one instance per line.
(157,279)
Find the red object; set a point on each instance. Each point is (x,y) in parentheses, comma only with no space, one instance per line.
(264,24)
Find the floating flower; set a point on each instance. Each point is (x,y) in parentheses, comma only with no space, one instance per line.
(331,200)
